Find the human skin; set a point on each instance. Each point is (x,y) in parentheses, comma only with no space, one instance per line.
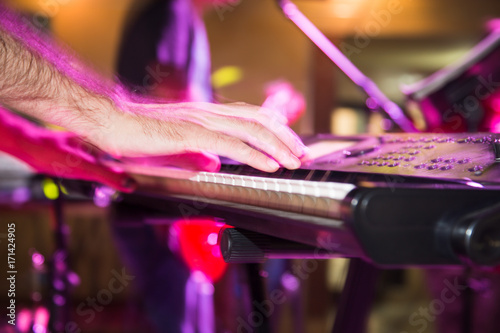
(47,83)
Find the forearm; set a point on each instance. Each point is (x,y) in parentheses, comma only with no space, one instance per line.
(36,82)
(59,154)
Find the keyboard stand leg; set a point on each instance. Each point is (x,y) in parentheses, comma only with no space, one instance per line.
(257,296)
(59,271)
(468,304)
(356,298)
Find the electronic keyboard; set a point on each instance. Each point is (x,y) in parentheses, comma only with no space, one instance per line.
(395,200)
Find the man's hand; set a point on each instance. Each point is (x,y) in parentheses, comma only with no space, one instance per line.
(251,135)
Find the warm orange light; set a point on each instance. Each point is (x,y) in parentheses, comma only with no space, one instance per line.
(347,8)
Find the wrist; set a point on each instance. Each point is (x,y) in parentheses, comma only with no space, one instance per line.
(104,127)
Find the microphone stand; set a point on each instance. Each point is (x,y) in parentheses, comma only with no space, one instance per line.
(331,51)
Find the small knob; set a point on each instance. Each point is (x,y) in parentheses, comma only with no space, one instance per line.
(244,246)
(238,247)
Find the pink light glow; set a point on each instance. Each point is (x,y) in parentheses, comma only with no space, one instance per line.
(207,288)
(42,316)
(59,300)
(199,305)
(491,121)
(74,279)
(290,282)
(37,328)
(212,238)
(493,25)
(23,322)
(37,259)
(283,98)
(21,195)
(103,196)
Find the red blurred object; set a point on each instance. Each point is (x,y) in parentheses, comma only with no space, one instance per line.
(198,246)
(464,96)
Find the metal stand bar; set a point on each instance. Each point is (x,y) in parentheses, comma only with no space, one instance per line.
(468,311)
(361,80)
(59,296)
(257,296)
(356,298)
